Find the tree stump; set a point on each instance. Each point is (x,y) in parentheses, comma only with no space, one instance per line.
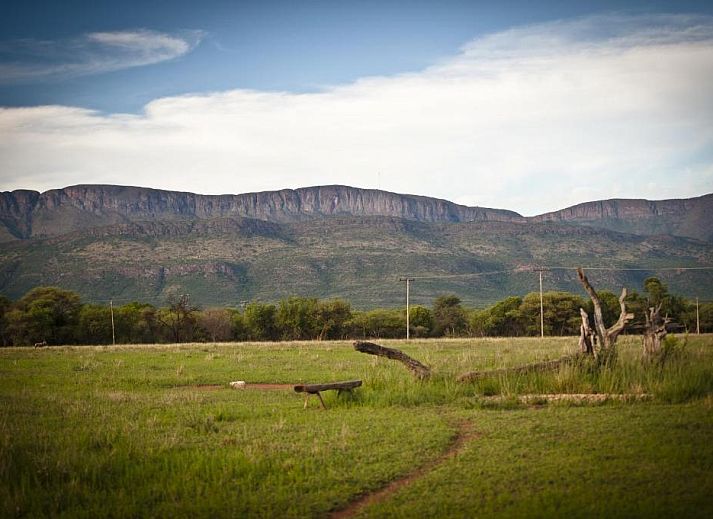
(654,331)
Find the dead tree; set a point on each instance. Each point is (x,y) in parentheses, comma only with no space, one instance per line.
(654,331)
(587,338)
(418,369)
(605,337)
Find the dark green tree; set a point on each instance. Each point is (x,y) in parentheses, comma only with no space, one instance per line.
(5,306)
(504,319)
(260,322)
(46,314)
(136,323)
(380,323)
(332,318)
(448,316)
(94,325)
(297,318)
(560,311)
(420,321)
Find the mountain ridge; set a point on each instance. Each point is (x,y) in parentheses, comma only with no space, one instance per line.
(126,243)
(26,214)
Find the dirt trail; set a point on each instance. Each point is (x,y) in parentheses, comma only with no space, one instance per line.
(269,386)
(215,387)
(464,433)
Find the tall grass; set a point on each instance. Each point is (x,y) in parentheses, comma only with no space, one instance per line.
(681,373)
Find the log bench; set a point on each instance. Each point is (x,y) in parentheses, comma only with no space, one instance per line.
(315,389)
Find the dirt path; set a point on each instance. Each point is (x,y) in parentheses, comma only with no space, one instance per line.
(215,387)
(269,386)
(464,433)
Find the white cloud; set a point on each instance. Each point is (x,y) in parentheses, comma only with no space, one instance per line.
(93,53)
(531,119)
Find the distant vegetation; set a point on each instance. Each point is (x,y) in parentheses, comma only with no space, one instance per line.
(57,316)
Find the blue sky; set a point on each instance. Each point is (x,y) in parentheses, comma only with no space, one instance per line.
(436,98)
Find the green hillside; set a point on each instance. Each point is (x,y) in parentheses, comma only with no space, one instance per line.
(224,261)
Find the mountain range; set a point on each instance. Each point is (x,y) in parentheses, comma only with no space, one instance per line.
(125,243)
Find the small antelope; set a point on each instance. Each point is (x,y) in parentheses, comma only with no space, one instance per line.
(40,344)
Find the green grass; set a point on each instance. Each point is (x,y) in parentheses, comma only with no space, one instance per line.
(129,431)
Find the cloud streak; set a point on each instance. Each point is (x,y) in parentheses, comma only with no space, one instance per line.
(23,61)
(531,119)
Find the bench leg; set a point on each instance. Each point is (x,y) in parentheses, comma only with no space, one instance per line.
(320,399)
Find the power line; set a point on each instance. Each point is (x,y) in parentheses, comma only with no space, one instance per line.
(546,268)
(644,269)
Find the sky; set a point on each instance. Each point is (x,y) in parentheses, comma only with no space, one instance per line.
(527,106)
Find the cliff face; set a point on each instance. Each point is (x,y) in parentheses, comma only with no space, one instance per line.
(16,209)
(692,217)
(28,213)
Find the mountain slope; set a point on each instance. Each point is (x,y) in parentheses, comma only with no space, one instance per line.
(123,243)
(691,217)
(225,261)
(28,214)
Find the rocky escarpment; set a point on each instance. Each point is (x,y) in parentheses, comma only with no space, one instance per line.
(16,210)
(28,213)
(692,217)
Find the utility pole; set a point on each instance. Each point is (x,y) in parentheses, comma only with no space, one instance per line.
(698,321)
(542,306)
(408,323)
(113,335)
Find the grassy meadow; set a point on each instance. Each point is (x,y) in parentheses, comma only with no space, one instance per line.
(155,431)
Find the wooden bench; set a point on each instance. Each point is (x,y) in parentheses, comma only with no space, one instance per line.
(315,389)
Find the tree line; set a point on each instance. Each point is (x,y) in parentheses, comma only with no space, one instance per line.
(58,316)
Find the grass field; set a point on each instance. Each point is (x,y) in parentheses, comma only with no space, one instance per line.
(155,431)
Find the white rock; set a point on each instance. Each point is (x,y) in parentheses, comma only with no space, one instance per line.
(238,384)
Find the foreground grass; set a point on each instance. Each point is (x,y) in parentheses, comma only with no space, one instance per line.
(651,460)
(133,431)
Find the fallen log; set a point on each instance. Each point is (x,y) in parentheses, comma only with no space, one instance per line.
(419,370)
(548,365)
(575,397)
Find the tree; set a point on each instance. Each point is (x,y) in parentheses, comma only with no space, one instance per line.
(239,329)
(5,306)
(379,323)
(217,324)
(332,318)
(504,319)
(600,342)
(260,322)
(136,323)
(448,316)
(420,321)
(560,313)
(657,294)
(94,325)
(45,314)
(179,318)
(297,318)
